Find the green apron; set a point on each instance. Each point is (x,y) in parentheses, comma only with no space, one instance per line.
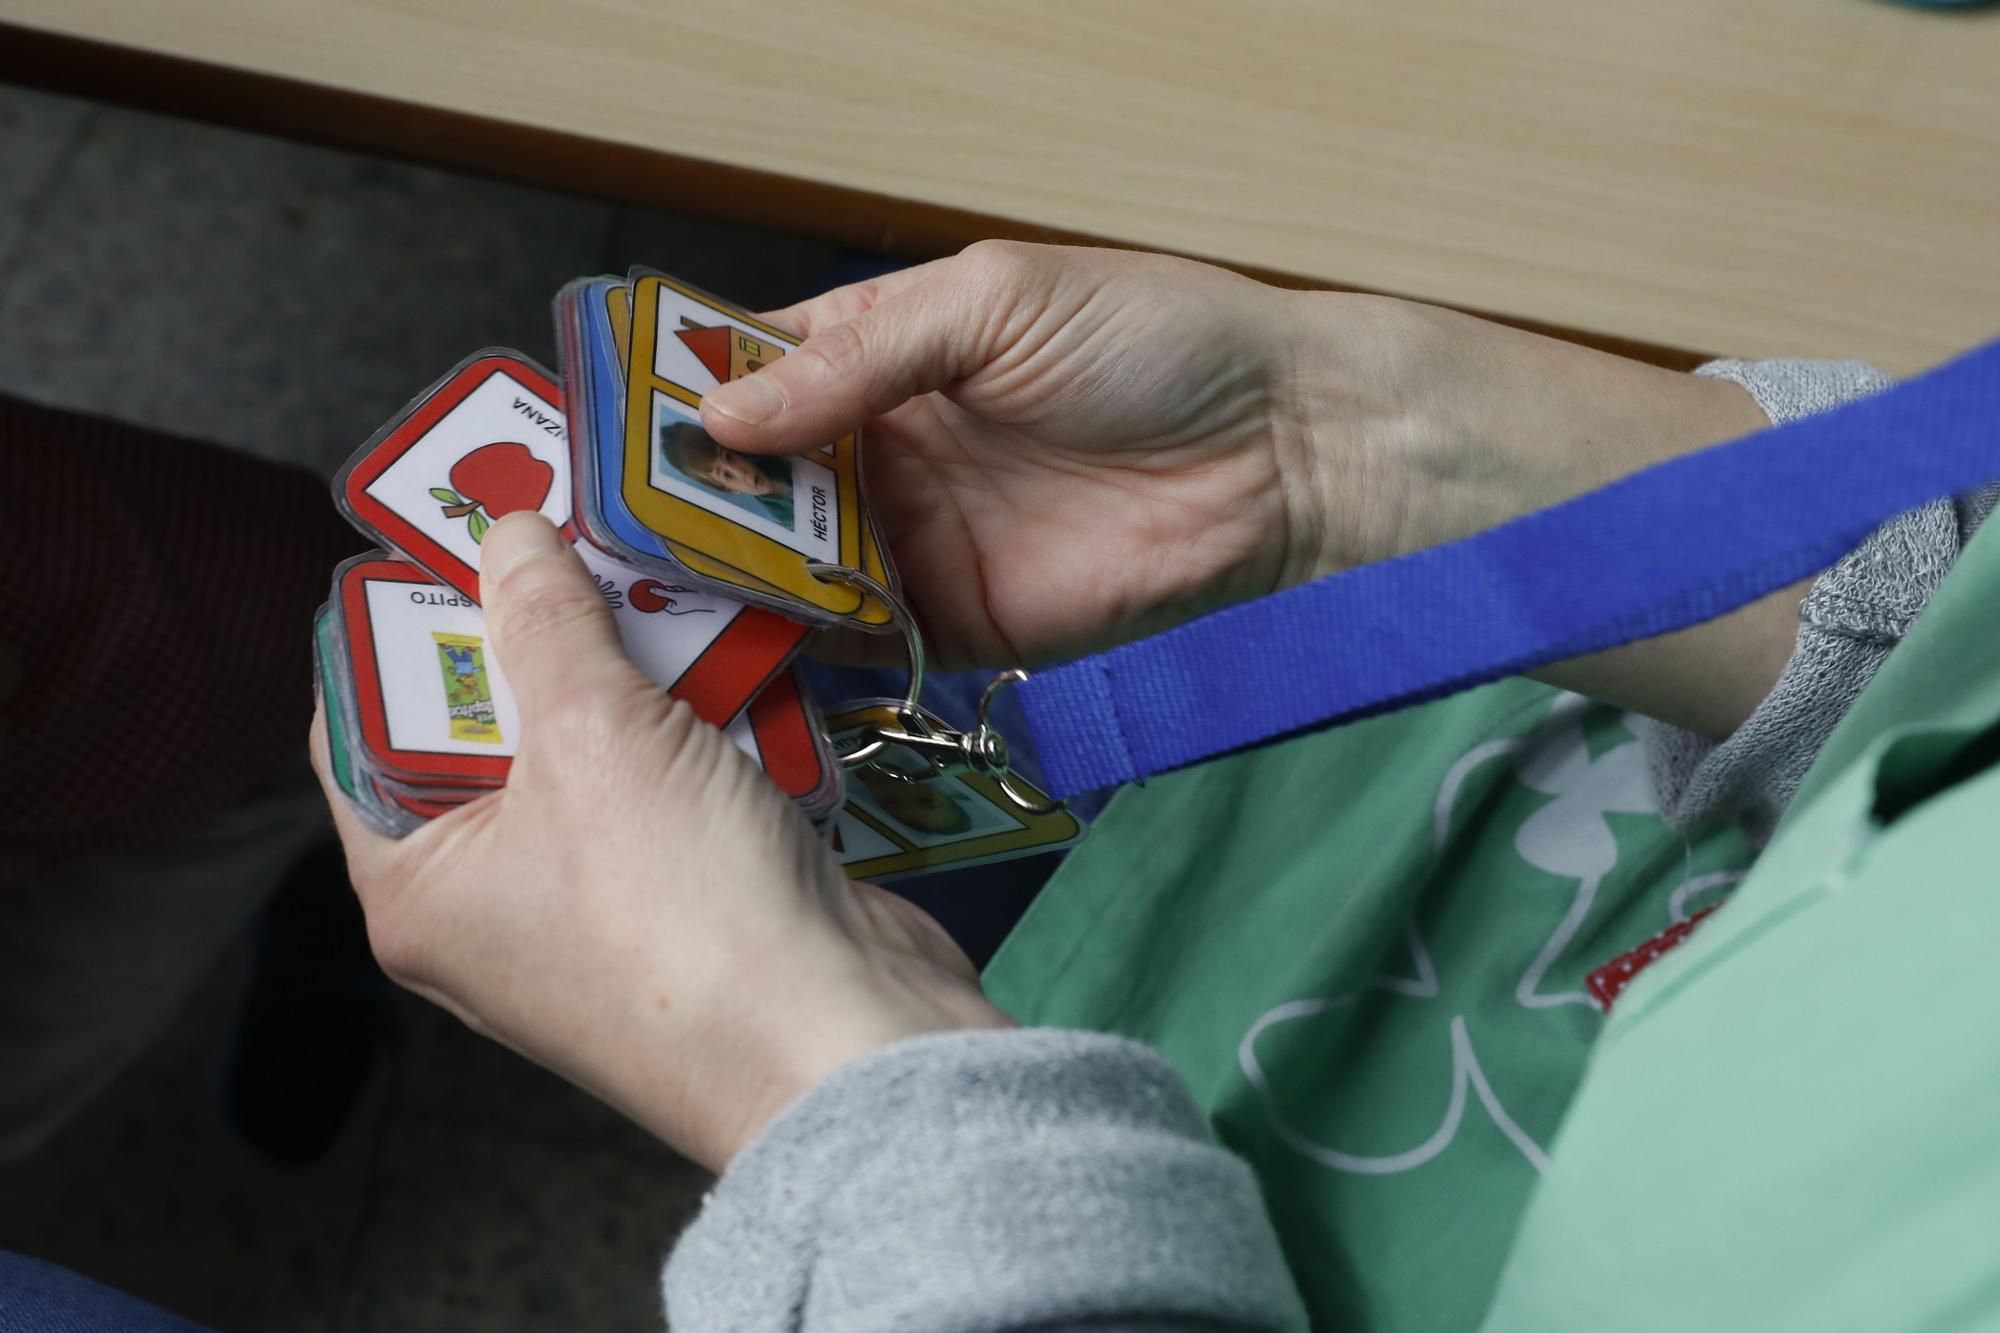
(1365,949)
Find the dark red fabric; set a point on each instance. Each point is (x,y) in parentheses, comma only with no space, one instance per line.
(1606,982)
(156,599)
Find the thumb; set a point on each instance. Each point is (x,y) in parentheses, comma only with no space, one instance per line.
(918,341)
(550,625)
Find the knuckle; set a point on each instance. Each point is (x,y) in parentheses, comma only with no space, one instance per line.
(835,351)
(996,262)
(995,287)
(664,727)
(676,729)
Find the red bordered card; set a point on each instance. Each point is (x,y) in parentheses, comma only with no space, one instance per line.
(416,805)
(489,439)
(782,733)
(486,440)
(432,710)
(430,707)
(713,652)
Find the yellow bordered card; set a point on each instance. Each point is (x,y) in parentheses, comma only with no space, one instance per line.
(890,825)
(618,314)
(759,522)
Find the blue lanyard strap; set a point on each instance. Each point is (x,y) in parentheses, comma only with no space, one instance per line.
(1679,543)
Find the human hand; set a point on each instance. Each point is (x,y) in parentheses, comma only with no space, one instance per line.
(1070,448)
(639,908)
(1073,446)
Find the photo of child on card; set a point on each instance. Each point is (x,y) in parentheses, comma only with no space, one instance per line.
(792,501)
(755,484)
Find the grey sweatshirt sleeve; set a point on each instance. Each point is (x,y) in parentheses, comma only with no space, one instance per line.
(1855,613)
(975,1182)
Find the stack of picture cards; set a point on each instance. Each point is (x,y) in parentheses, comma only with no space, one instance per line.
(653,489)
(420,718)
(713,564)
(421,707)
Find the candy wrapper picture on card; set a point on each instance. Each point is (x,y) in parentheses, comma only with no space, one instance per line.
(468,696)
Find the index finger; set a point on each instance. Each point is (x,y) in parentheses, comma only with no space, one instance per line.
(844,303)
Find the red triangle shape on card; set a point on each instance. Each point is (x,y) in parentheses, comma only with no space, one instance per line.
(711,348)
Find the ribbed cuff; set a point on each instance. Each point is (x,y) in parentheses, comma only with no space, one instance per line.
(1854,614)
(965,1182)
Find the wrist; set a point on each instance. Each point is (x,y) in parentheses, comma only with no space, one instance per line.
(765,1034)
(1421,425)
(830,1040)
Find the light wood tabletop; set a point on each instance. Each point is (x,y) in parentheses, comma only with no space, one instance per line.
(1810,177)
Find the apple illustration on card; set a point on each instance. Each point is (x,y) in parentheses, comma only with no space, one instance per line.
(485,441)
(493,481)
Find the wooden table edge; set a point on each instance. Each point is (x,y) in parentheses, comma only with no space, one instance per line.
(552,159)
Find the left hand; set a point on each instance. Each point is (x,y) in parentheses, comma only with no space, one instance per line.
(640,909)
(1068,448)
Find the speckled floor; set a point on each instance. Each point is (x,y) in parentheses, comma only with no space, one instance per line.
(285,300)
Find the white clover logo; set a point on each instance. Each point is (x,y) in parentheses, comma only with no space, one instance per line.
(1569,837)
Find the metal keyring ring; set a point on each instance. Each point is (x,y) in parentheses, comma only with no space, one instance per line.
(983,750)
(913,644)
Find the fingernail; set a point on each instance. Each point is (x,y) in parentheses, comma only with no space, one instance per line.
(751,399)
(517,537)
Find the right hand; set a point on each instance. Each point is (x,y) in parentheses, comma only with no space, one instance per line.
(639,908)
(1067,448)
